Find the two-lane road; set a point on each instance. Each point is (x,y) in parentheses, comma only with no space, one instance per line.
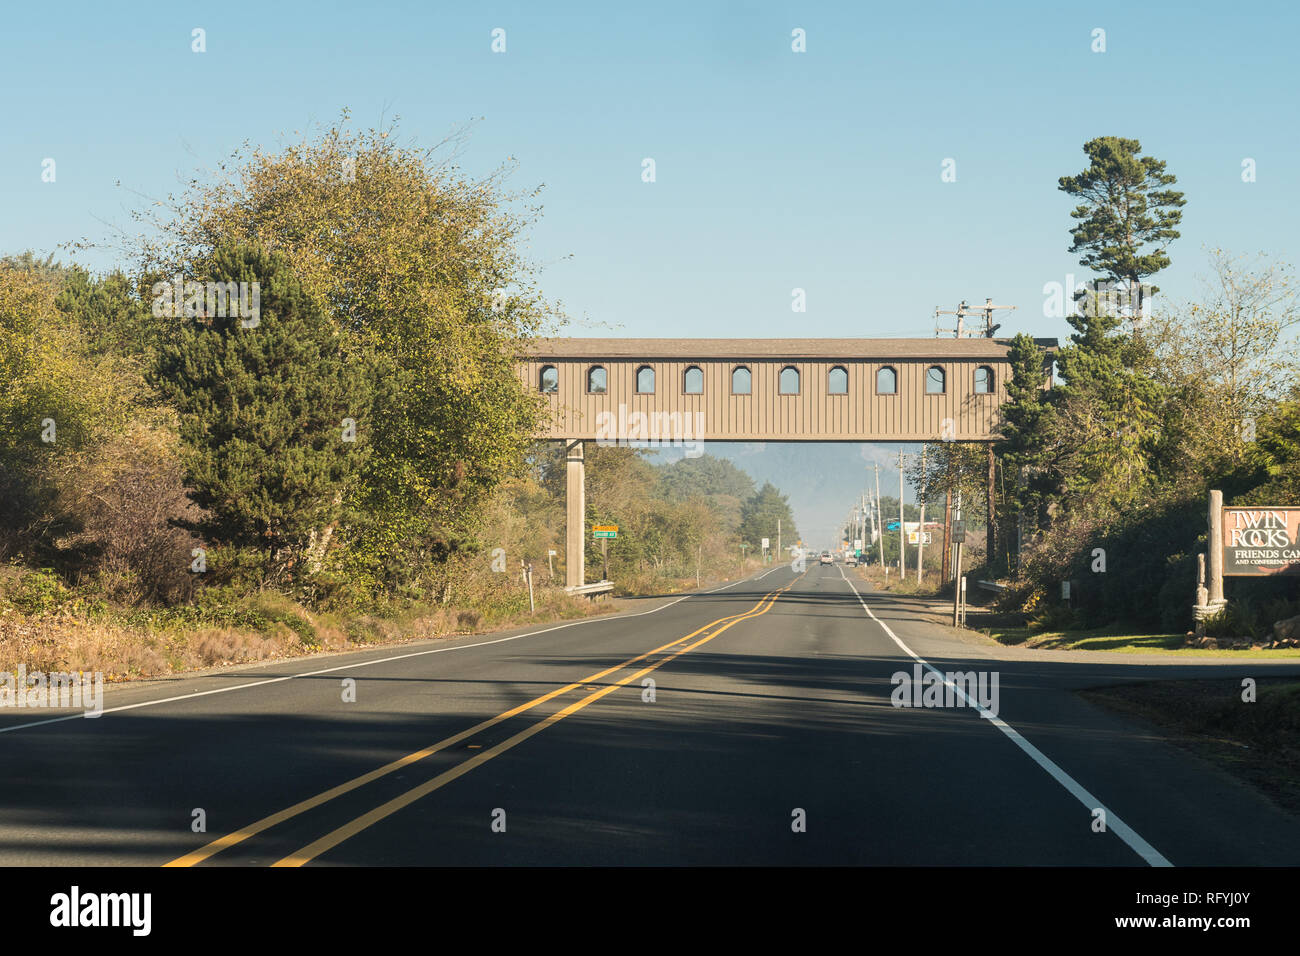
(748,725)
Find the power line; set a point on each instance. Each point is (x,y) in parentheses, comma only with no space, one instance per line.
(964,312)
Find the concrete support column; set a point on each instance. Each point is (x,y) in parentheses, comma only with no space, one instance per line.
(575,498)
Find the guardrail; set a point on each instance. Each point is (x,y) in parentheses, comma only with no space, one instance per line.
(991,586)
(593,591)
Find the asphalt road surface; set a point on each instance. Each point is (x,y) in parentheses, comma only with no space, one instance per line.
(768,736)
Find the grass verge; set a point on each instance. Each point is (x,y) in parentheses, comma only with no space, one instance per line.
(1255,742)
(261,627)
(1116,640)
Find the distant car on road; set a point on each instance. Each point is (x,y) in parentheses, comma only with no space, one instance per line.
(826,558)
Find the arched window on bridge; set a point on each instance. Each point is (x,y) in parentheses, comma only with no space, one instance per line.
(596,383)
(693,381)
(887,381)
(789,381)
(549,380)
(983,380)
(837,380)
(935,380)
(741,380)
(645,380)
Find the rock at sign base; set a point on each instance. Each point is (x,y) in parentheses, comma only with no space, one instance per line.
(1288,629)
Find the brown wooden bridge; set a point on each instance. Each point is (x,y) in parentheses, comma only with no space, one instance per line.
(685,392)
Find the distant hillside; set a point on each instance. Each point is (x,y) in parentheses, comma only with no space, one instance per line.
(821,479)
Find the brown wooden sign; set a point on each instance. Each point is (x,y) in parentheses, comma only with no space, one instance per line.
(1261,541)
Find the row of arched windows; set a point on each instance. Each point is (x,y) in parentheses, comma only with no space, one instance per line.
(837,380)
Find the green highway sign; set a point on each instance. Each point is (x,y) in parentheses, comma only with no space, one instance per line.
(605,531)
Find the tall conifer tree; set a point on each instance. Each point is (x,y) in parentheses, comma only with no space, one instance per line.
(262,402)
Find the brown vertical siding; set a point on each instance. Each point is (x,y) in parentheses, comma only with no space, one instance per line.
(765,415)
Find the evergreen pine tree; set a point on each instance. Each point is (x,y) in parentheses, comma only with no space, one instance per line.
(262,407)
(759,515)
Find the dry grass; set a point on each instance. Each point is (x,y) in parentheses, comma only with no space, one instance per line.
(649,582)
(62,643)
(59,641)
(875,575)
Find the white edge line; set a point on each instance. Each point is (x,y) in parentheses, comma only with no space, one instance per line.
(355,664)
(1113,823)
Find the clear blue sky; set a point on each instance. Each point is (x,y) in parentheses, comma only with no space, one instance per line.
(819,170)
(775,170)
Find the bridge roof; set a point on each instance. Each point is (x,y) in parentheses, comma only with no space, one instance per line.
(777,349)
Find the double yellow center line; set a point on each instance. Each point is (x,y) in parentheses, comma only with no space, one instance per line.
(350,829)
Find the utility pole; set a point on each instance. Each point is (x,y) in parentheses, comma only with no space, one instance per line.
(866,542)
(902,534)
(778,537)
(957,517)
(964,312)
(991,546)
(879,532)
(880,520)
(956,590)
(920,527)
(948,531)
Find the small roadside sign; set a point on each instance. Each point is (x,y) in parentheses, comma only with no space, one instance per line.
(766,545)
(958,532)
(604,531)
(927,538)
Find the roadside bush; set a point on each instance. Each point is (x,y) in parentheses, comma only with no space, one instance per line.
(1273,610)
(38,592)
(1245,620)
(1056,617)
(56,402)
(1137,587)
(274,608)
(125,499)
(1177,594)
